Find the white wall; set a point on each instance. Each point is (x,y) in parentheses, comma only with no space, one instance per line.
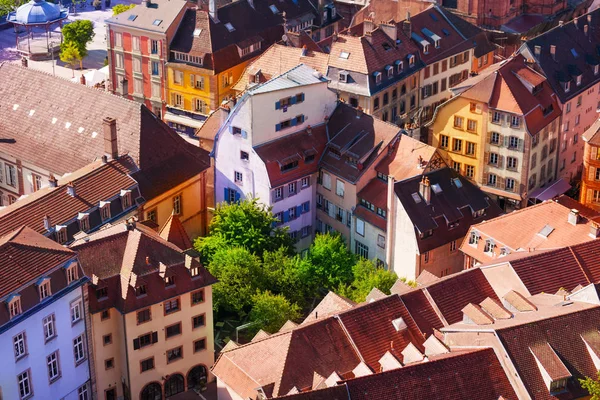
(72,377)
(405,245)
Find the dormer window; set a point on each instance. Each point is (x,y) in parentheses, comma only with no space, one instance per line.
(596,69)
(104,210)
(141,290)
(390,71)
(126,199)
(411,60)
(14,305)
(377,76)
(426,48)
(343,76)
(71,273)
(44,288)
(489,246)
(437,43)
(194,270)
(567,86)
(61,233)
(399,66)
(84,222)
(169,281)
(474,238)
(578,80)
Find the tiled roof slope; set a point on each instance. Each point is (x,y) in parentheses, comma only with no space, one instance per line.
(218,46)
(473,374)
(592,134)
(278,59)
(451,204)
(452,294)
(296,144)
(422,311)
(403,162)
(94,183)
(331,304)
(145,17)
(531,221)
(66,134)
(26,255)
(344,127)
(563,334)
(174,232)
(576,52)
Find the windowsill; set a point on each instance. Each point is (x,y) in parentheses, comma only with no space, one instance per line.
(48,340)
(22,356)
(78,363)
(172,312)
(73,323)
(143,322)
(56,378)
(172,336)
(174,360)
(198,327)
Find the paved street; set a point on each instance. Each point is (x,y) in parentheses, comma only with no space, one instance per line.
(96,49)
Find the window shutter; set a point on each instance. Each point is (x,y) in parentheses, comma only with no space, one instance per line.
(244,134)
(520,145)
(154,337)
(298,211)
(302,118)
(489,137)
(500,182)
(231,129)
(277,126)
(500,140)
(506,140)
(277,105)
(150,67)
(485,178)
(159,69)
(500,161)
(294,121)
(590,195)
(159,44)
(149,42)
(301,96)
(192,80)
(486,158)
(286,216)
(293,100)
(226,198)
(237,196)
(592,174)
(136,344)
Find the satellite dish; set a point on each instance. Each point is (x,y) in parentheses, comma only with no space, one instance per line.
(284,38)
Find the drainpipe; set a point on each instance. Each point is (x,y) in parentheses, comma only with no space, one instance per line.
(390,223)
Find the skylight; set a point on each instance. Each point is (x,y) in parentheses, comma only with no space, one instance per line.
(574,52)
(229,27)
(386,46)
(132,17)
(273,8)
(457,182)
(546,231)
(436,188)
(197,32)
(157,22)
(344,55)
(433,17)
(445,32)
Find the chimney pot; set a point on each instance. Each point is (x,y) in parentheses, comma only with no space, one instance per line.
(110,138)
(425,190)
(24,62)
(71,189)
(212,10)
(573,217)
(47,223)
(586,27)
(52,181)
(82,79)
(304,50)
(561,23)
(594,230)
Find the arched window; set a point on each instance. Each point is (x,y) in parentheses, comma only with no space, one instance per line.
(174,385)
(151,391)
(196,377)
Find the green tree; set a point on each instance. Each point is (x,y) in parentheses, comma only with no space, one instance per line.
(240,276)
(246,224)
(329,262)
(79,32)
(272,311)
(283,274)
(366,277)
(592,386)
(69,54)
(7,6)
(121,8)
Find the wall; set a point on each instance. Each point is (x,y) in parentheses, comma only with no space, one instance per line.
(503,279)
(589,183)
(485,61)
(347,203)
(224,392)
(370,239)
(72,376)
(406,251)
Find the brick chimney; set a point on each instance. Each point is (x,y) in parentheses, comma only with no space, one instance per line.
(573,216)
(406,27)
(82,80)
(71,189)
(390,30)
(24,62)
(425,190)
(52,181)
(110,137)
(47,223)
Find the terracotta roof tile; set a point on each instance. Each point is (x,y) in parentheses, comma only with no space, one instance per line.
(477,315)
(452,294)
(426,277)
(495,309)
(331,304)
(422,311)
(375,294)
(400,287)
(409,158)
(550,361)
(519,302)
(174,232)
(375,192)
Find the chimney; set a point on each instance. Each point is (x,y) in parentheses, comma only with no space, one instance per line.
(537,50)
(52,181)
(110,138)
(82,80)
(359,111)
(146,3)
(47,223)
(124,87)
(304,50)
(130,225)
(425,190)
(24,62)
(575,22)
(589,18)
(573,216)
(309,130)
(104,159)
(594,230)
(406,28)
(561,23)
(71,189)
(586,27)
(390,30)
(553,51)
(368,26)
(334,37)
(147,260)
(420,162)
(212,10)
(368,37)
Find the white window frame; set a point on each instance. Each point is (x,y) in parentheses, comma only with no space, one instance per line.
(49,326)
(24,381)
(76,311)
(20,345)
(177,202)
(340,188)
(79,349)
(45,289)
(360,227)
(53,366)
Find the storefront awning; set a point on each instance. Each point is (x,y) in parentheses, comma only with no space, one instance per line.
(546,193)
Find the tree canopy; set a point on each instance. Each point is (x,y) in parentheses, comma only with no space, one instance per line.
(69,54)
(272,311)
(330,262)
(592,386)
(79,33)
(121,8)
(366,277)
(7,6)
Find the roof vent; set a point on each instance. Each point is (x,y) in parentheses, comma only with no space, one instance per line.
(399,324)
(71,189)
(52,181)
(537,50)
(573,217)
(594,230)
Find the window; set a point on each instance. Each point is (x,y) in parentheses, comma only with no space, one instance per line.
(25,390)
(144,316)
(533,161)
(106,339)
(118,39)
(155,68)
(492,180)
(305,182)
(493,160)
(456,166)
(381,212)
(19,345)
(104,210)
(376,103)
(238,177)
(278,193)
(471,125)
(194,270)
(198,321)
(510,184)
(147,364)
(339,188)
(177,77)
(78,349)
(197,297)
(469,171)
(458,122)
(305,231)
(109,364)
(61,233)
(11,175)
(14,307)
(360,227)
(470,151)
(171,306)
(292,213)
(513,143)
(511,163)
(575,136)
(292,188)
(169,281)
(457,145)
(76,311)
(426,257)
(474,238)
(173,330)
(141,290)
(489,246)
(156,90)
(453,246)
(361,250)
(199,345)
(532,181)
(137,67)
(497,117)
(174,354)
(36,182)
(326,181)
(444,141)
(49,327)
(559,385)
(71,273)
(154,46)
(105,315)
(244,156)
(289,166)
(83,393)
(515,121)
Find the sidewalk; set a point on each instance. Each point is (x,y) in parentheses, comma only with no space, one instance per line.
(96,49)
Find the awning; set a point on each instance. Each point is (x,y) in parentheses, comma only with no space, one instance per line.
(546,193)
(179,119)
(500,192)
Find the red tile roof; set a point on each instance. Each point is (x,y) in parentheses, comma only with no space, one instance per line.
(422,311)
(592,134)
(375,192)
(455,292)
(297,144)
(370,217)
(25,255)
(331,304)
(410,158)
(551,363)
(174,232)
(94,183)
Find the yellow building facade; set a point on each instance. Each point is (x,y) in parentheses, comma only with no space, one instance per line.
(458,129)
